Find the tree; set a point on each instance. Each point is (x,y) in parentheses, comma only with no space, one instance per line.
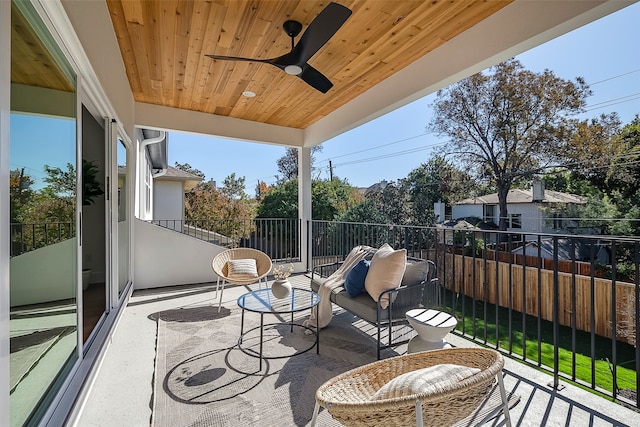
(20,193)
(365,211)
(206,202)
(261,189)
(329,199)
(437,180)
(186,167)
(508,123)
(391,199)
(61,183)
(593,147)
(288,163)
(281,201)
(623,174)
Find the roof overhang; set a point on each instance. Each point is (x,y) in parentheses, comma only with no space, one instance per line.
(515,28)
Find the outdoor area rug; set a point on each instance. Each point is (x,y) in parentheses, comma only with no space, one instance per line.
(203,379)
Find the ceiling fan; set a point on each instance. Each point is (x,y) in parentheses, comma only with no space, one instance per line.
(321,29)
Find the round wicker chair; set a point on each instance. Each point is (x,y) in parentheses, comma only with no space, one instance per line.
(347,397)
(219,265)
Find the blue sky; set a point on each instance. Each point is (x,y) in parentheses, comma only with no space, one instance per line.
(599,51)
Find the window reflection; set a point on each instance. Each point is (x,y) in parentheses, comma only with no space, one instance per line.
(43,188)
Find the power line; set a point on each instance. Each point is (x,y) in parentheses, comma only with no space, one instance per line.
(389,155)
(375,147)
(614,101)
(614,77)
(602,104)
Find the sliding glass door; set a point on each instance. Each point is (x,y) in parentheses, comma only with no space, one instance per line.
(43,217)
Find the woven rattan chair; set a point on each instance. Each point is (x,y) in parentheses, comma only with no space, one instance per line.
(220,268)
(347,396)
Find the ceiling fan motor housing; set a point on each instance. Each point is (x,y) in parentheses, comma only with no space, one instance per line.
(292,28)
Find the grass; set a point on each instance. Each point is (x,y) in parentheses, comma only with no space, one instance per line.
(544,355)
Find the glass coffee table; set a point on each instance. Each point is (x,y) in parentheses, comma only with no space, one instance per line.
(263,302)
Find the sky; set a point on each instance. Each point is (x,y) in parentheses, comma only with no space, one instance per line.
(604,53)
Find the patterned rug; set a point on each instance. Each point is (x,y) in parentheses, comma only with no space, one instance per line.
(203,378)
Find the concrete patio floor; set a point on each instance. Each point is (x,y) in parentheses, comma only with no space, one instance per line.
(121,394)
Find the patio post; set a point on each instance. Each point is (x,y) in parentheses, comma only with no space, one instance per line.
(304,203)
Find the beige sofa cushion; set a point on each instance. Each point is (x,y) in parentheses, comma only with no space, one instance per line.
(385,272)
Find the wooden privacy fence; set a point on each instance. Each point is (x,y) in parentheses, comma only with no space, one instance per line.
(459,276)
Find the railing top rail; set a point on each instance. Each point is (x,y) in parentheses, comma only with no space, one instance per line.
(624,239)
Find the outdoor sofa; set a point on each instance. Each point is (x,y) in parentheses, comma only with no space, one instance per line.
(418,289)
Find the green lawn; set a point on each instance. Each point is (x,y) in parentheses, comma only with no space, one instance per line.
(626,375)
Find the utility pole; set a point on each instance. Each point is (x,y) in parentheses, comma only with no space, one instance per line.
(330,171)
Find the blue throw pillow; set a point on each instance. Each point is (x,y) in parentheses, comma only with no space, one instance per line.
(354,285)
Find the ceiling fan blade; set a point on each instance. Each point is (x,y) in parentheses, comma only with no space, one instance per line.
(321,29)
(315,79)
(237,58)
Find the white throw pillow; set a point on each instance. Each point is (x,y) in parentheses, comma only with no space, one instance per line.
(415,273)
(385,272)
(429,380)
(242,269)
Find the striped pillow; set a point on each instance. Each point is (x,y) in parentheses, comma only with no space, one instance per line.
(434,379)
(242,269)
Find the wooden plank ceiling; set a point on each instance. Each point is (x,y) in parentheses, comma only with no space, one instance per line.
(31,62)
(163,44)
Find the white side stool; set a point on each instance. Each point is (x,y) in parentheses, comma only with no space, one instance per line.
(431,326)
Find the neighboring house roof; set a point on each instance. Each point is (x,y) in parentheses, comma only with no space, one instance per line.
(523,196)
(581,250)
(173,174)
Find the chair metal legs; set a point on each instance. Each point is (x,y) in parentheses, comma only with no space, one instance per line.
(418,413)
(504,407)
(316,409)
(505,402)
(221,292)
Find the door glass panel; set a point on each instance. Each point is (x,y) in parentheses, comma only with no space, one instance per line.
(94,246)
(123,220)
(43,188)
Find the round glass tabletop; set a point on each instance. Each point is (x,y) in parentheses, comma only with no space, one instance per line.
(263,301)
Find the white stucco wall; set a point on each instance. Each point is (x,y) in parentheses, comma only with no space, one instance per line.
(168,200)
(165,257)
(44,275)
(531,217)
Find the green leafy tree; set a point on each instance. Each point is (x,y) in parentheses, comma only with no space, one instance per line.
(623,174)
(568,182)
(61,182)
(329,199)
(281,201)
(365,211)
(508,123)
(437,180)
(392,199)
(20,193)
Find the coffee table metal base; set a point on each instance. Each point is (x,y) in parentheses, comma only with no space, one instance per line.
(260,354)
(263,302)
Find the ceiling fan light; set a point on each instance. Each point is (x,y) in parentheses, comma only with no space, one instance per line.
(294,70)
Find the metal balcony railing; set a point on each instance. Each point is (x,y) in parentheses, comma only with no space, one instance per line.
(26,237)
(279,238)
(567,304)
